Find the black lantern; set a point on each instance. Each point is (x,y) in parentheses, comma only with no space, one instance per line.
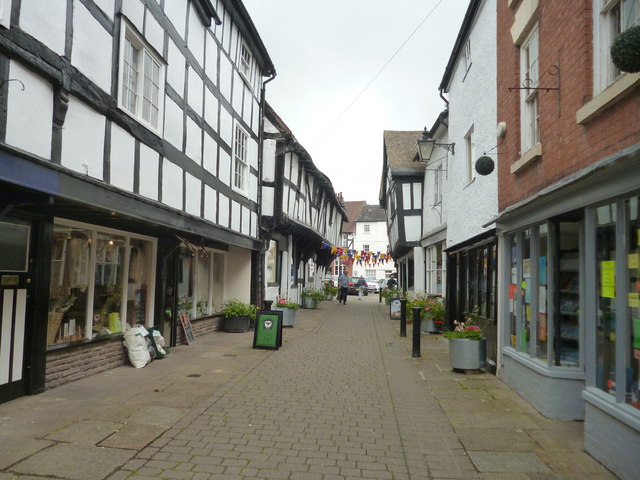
(426,144)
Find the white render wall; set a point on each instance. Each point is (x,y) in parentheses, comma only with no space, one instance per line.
(472,104)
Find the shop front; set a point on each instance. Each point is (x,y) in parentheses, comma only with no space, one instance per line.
(570,305)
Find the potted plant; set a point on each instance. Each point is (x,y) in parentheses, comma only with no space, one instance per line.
(625,50)
(288,309)
(330,291)
(311,297)
(467,344)
(433,319)
(238,316)
(389,293)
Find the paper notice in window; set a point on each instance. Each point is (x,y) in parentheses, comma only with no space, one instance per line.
(608,280)
(634,260)
(634,300)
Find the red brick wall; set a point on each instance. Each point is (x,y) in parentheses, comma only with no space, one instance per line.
(76,362)
(565,34)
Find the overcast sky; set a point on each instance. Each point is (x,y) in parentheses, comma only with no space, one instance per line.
(326,52)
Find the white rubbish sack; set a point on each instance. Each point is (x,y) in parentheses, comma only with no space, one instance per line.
(136,345)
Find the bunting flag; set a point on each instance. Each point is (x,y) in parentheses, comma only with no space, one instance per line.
(362,257)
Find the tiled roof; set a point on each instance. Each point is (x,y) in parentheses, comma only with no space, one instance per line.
(353,210)
(401,151)
(372,213)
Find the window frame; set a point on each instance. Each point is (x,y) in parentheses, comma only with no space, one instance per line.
(245,62)
(241,166)
(129,36)
(529,100)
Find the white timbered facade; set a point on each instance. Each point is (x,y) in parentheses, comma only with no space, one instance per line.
(129,173)
(300,212)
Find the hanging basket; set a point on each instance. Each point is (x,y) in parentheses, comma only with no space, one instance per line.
(625,50)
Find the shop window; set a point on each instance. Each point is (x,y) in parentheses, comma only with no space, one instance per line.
(606,306)
(203,285)
(185,282)
(91,299)
(526,285)
(513,292)
(543,289)
(632,357)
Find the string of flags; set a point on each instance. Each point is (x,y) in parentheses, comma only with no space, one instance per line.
(346,255)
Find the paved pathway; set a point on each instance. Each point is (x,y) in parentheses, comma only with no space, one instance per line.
(342,399)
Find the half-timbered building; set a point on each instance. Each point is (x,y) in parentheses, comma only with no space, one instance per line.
(301,214)
(129,173)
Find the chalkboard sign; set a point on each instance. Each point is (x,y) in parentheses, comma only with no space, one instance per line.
(268,330)
(186,326)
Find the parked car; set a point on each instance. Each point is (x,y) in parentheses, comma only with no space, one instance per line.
(372,285)
(353,286)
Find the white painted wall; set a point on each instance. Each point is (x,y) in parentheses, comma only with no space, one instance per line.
(472,102)
(83,140)
(29,112)
(377,240)
(91,41)
(42,21)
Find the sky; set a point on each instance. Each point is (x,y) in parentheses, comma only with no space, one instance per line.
(332,87)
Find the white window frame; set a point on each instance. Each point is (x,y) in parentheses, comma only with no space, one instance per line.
(245,62)
(437,185)
(470,153)
(240,158)
(529,76)
(610,17)
(366,228)
(130,37)
(365,247)
(467,55)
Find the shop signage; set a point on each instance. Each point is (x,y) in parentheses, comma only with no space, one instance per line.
(268,330)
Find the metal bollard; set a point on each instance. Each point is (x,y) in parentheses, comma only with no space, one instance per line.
(403,317)
(380,296)
(267,304)
(416,332)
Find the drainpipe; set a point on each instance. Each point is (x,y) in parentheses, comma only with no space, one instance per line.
(259,291)
(442,97)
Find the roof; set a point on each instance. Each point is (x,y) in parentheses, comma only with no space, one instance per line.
(401,149)
(372,213)
(353,210)
(465,28)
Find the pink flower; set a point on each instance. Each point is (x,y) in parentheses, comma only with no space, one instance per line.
(282,301)
(473,327)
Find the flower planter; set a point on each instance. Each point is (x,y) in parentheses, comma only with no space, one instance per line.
(465,354)
(236,324)
(308,302)
(288,316)
(428,325)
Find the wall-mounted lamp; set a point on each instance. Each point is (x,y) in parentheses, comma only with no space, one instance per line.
(426,145)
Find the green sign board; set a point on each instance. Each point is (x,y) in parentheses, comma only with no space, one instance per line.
(268,332)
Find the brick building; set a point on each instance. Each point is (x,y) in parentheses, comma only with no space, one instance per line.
(569,219)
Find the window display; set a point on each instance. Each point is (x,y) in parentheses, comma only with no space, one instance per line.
(568,323)
(543,274)
(89,298)
(632,367)
(203,285)
(606,305)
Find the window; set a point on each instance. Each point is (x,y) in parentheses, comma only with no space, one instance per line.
(141,88)
(434,270)
(365,247)
(101,280)
(529,95)
(470,154)
(611,18)
(245,62)
(467,55)
(437,185)
(271,264)
(367,228)
(241,158)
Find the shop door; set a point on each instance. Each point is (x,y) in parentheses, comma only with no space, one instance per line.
(14,282)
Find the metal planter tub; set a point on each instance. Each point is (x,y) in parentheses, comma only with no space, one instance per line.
(465,354)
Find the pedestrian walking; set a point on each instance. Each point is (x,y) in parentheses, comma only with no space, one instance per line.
(392,283)
(362,284)
(343,283)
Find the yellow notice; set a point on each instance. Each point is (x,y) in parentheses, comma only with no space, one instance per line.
(634,300)
(634,260)
(608,284)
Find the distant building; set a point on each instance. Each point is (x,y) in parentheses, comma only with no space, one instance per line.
(371,241)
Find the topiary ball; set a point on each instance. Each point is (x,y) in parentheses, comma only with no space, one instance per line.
(484,165)
(625,50)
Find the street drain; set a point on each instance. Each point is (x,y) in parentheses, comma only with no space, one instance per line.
(229,355)
(194,375)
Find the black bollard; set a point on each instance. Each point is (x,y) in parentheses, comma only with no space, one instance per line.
(403,317)
(380,295)
(267,304)
(416,332)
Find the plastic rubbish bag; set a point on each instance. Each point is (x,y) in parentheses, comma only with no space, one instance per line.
(136,345)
